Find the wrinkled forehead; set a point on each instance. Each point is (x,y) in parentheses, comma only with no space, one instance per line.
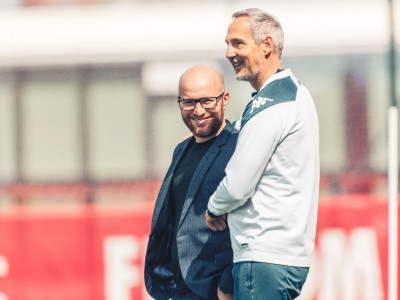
(239,29)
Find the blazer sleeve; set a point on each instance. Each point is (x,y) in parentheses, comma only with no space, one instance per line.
(226,281)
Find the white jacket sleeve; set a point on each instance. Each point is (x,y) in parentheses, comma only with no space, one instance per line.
(256,144)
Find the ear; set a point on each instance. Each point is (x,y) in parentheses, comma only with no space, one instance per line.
(268,45)
(225,100)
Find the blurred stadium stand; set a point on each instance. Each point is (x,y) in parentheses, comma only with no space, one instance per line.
(88,99)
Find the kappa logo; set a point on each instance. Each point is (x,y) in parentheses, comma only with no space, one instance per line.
(260,101)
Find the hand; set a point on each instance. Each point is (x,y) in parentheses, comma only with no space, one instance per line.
(222,296)
(218,223)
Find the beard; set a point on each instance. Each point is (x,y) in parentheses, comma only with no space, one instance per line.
(248,75)
(208,130)
(245,77)
(249,72)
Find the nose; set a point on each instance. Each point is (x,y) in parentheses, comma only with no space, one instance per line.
(198,109)
(229,52)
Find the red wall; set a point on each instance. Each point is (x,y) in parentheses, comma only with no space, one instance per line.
(95,253)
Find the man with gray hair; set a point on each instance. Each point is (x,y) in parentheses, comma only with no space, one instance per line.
(270,191)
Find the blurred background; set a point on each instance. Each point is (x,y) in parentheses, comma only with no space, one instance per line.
(89,121)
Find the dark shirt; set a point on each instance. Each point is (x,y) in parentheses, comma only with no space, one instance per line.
(179,187)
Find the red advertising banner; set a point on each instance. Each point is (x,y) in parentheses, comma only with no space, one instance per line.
(73,253)
(96,253)
(350,259)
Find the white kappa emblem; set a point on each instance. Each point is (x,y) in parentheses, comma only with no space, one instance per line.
(260,101)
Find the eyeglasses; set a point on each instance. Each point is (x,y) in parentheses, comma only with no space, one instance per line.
(206,103)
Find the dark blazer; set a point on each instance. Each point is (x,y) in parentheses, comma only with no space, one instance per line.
(205,256)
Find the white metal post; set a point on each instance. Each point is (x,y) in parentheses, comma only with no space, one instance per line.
(393,202)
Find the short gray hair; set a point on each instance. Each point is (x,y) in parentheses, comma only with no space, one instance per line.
(263,24)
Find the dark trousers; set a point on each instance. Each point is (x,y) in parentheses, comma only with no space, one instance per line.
(264,281)
(191,296)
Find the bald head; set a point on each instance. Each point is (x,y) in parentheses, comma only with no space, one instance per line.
(201,81)
(203,101)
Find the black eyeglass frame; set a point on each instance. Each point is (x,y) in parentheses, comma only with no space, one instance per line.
(199,101)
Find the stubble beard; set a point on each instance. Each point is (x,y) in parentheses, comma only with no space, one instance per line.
(249,75)
(206,131)
(245,77)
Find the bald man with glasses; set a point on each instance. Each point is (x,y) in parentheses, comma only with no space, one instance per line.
(186,260)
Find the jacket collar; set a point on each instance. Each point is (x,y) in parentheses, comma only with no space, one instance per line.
(197,179)
(203,167)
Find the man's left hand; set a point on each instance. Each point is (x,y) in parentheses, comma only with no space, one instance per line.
(218,223)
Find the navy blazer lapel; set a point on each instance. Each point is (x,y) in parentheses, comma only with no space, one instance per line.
(203,167)
(164,190)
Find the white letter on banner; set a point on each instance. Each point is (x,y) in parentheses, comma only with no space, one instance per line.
(4,268)
(332,247)
(145,295)
(363,273)
(351,268)
(120,275)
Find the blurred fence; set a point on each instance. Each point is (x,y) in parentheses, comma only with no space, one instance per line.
(135,192)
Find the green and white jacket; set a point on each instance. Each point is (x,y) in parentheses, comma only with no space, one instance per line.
(271,187)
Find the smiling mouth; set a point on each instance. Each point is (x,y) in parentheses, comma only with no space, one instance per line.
(200,121)
(236,64)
